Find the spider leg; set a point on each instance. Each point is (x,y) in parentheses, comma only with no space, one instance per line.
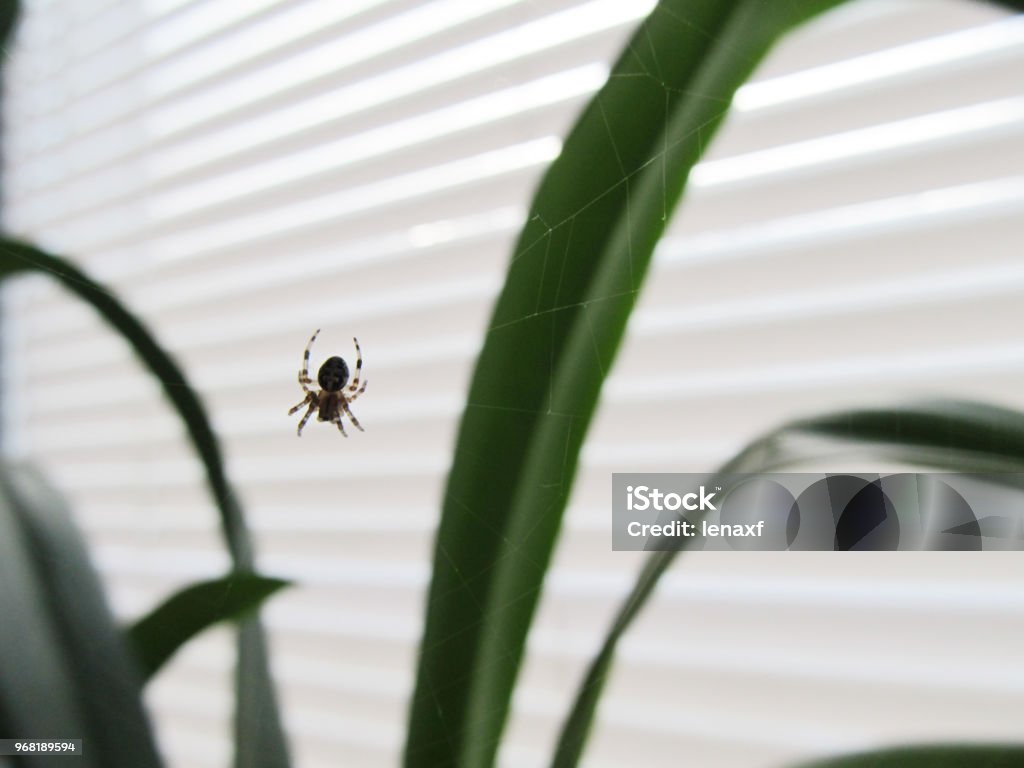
(305,418)
(362,389)
(351,416)
(304,382)
(304,373)
(359,366)
(337,420)
(305,401)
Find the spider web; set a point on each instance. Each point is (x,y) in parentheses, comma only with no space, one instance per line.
(541,247)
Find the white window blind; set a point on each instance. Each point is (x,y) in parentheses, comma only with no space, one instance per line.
(243,173)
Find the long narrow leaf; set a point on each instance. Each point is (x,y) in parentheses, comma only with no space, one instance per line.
(99,664)
(953,436)
(38,696)
(256,710)
(952,756)
(253,678)
(571,285)
(10,10)
(1016,5)
(159,634)
(17,257)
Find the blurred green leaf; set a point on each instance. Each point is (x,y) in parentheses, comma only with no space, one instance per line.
(1017,5)
(571,285)
(951,435)
(65,671)
(17,257)
(255,689)
(10,11)
(37,695)
(952,756)
(261,740)
(158,635)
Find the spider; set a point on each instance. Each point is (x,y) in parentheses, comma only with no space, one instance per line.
(329,400)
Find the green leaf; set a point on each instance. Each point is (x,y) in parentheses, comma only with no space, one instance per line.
(254,679)
(10,11)
(256,709)
(158,635)
(571,285)
(75,656)
(17,257)
(37,696)
(1017,5)
(939,756)
(950,435)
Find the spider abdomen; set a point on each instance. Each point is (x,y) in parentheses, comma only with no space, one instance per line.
(333,374)
(328,406)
